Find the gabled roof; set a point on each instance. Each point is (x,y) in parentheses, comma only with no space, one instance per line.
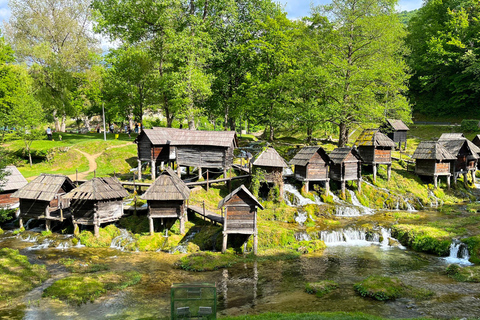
(373,137)
(269,158)
(397,124)
(14,180)
(181,137)
(454,146)
(432,150)
(476,140)
(451,136)
(302,158)
(44,187)
(98,189)
(234,192)
(338,155)
(168,186)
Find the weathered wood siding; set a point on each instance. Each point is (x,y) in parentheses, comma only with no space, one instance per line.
(317,169)
(367,154)
(82,209)
(203,156)
(165,209)
(424,167)
(300,172)
(350,171)
(398,136)
(460,163)
(110,210)
(240,214)
(383,155)
(442,167)
(336,172)
(271,172)
(144,148)
(32,208)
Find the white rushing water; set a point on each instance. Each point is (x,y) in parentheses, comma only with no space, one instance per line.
(121,241)
(358,237)
(44,245)
(298,200)
(183,247)
(458,253)
(356,202)
(301,217)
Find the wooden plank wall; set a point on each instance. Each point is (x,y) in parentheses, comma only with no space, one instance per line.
(240,218)
(83,209)
(367,154)
(336,172)
(110,210)
(317,168)
(383,155)
(351,171)
(201,156)
(300,172)
(159,209)
(6,199)
(144,148)
(32,207)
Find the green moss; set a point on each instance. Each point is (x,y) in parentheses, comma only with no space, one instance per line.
(81,289)
(46,233)
(277,212)
(275,235)
(207,261)
(321,288)
(79,266)
(17,231)
(1,231)
(106,235)
(135,224)
(423,238)
(309,246)
(473,244)
(380,288)
(464,274)
(18,275)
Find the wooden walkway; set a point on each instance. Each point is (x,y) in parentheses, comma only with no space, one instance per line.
(212,216)
(240,168)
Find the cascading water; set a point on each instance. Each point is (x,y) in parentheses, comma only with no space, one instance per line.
(302,236)
(458,253)
(44,245)
(301,217)
(298,199)
(122,241)
(183,247)
(356,202)
(357,237)
(28,223)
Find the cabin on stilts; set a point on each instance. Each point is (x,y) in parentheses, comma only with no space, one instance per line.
(240,215)
(375,149)
(188,148)
(433,160)
(97,201)
(397,131)
(311,165)
(43,199)
(466,153)
(13,181)
(166,200)
(345,165)
(272,163)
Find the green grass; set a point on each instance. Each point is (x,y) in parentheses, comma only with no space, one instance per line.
(423,238)
(310,316)
(118,160)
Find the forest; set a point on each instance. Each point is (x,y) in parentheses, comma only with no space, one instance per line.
(232,65)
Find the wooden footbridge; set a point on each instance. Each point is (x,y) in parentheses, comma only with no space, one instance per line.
(206,214)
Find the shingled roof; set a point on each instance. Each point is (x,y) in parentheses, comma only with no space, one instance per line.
(44,187)
(451,136)
(181,137)
(373,137)
(234,192)
(302,158)
(397,125)
(14,180)
(98,189)
(338,155)
(432,150)
(454,146)
(168,186)
(270,158)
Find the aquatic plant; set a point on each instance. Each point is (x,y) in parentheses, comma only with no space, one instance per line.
(207,261)
(380,288)
(79,266)
(321,288)
(463,274)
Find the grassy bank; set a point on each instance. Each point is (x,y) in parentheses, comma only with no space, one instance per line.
(311,316)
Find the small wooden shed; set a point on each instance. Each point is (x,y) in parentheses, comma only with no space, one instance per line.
(166,199)
(97,201)
(375,148)
(43,198)
(311,164)
(466,154)
(397,131)
(433,160)
(13,181)
(240,215)
(270,161)
(345,165)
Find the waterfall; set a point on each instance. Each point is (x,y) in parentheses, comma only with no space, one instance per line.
(30,238)
(63,245)
(458,253)
(44,245)
(183,247)
(356,202)
(298,200)
(302,236)
(347,211)
(301,217)
(410,207)
(121,241)
(28,223)
(356,237)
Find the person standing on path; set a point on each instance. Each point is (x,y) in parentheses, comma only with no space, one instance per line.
(49,133)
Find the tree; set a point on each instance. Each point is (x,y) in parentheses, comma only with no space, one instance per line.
(54,37)
(7,82)
(445,59)
(362,53)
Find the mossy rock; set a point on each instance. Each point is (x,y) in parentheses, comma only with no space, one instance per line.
(321,288)
(104,239)
(473,244)
(151,242)
(423,238)
(309,246)
(380,288)
(464,274)
(207,261)
(135,224)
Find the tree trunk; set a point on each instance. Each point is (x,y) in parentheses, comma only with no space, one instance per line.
(86,121)
(343,135)
(270,136)
(56,120)
(309,134)
(191,124)
(64,123)
(232,125)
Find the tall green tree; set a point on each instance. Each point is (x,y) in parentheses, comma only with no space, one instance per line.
(55,38)
(362,52)
(7,82)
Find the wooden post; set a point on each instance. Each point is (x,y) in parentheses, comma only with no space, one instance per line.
(327,186)
(374,167)
(343,188)
(139,170)
(207,180)
(61,214)
(306,186)
(359,184)
(448,182)
(435,181)
(20,223)
(230,181)
(389,171)
(255,234)
(47,224)
(162,165)
(182,220)
(473,175)
(465,179)
(75,228)
(224,243)
(150,222)
(225,175)
(179,171)
(200,174)
(154,170)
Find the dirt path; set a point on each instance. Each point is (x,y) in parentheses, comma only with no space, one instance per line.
(92,164)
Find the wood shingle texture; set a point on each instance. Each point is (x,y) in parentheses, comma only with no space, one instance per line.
(311,164)
(168,186)
(44,187)
(303,157)
(432,150)
(432,159)
(373,138)
(14,180)
(397,125)
(270,158)
(451,136)
(237,191)
(98,189)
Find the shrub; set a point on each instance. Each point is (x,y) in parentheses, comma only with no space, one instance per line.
(321,288)
(469,125)
(380,288)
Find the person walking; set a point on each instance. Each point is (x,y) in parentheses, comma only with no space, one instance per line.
(49,133)
(136,127)
(111,128)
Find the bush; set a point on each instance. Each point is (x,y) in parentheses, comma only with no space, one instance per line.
(469,125)
(380,288)
(321,288)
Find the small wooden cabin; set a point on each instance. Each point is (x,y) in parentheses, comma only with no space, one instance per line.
(311,164)
(44,198)
(240,215)
(271,162)
(166,199)
(345,165)
(396,130)
(375,148)
(466,154)
(190,148)
(97,201)
(433,160)
(13,181)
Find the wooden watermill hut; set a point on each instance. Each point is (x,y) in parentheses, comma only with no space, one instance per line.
(166,199)
(44,198)
(433,160)
(396,130)
(240,215)
(345,165)
(375,149)
(97,201)
(189,148)
(13,181)
(466,154)
(311,165)
(271,162)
